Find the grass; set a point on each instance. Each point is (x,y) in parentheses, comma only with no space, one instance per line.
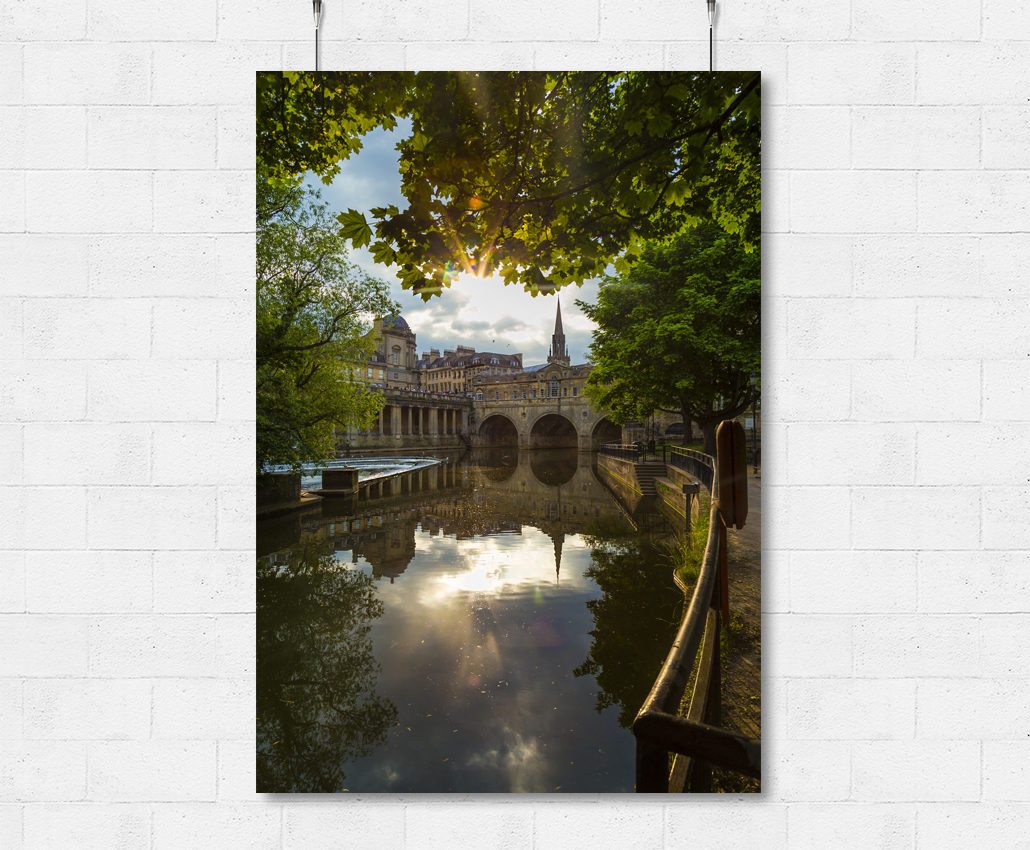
(689,555)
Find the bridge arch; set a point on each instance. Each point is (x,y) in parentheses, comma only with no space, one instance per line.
(498,430)
(605,431)
(553,431)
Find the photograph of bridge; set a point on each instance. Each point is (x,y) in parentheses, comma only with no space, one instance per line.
(508,432)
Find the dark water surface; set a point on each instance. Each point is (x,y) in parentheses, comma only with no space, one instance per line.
(494,626)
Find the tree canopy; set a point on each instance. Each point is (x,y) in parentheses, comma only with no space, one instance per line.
(681,331)
(312,329)
(541,178)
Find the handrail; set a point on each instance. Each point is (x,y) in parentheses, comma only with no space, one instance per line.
(658,728)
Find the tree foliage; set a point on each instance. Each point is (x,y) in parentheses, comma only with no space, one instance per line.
(312,328)
(681,331)
(541,178)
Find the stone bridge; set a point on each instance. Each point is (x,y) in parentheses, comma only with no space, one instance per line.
(543,423)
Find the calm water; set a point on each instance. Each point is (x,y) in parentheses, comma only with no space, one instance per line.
(493,626)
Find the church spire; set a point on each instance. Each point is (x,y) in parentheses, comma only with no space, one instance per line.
(559,353)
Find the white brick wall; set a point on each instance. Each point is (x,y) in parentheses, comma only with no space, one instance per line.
(897,381)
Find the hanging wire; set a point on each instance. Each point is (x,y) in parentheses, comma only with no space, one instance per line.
(316,7)
(711,34)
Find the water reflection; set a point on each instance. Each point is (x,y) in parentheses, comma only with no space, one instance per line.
(485,586)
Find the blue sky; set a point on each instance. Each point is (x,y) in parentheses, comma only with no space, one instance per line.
(482,313)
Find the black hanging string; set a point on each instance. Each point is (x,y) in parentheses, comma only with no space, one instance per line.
(711,34)
(316,7)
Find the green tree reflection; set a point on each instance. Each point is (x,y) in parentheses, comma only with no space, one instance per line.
(635,619)
(316,675)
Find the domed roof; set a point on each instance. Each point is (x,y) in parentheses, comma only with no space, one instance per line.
(396,322)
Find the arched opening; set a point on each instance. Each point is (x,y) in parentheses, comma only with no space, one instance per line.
(674,430)
(555,468)
(498,430)
(553,431)
(605,431)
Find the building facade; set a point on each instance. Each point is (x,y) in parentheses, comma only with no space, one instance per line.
(457,369)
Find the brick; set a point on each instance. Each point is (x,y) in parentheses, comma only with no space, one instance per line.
(810,771)
(54,826)
(851,74)
(916,645)
(237,395)
(155,771)
(139,645)
(235,136)
(11,712)
(217,73)
(813,390)
(853,582)
(576,55)
(11,827)
(143,266)
(814,826)
(1006,644)
(438,826)
(234,267)
(1006,136)
(337,50)
(92,582)
(1005,20)
(837,329)
(975,583)
(236,636)
(204,582)
(154,518)
(574,21)
(313,826)
(216,709)
(92,201)
(808,645)
(817,266)
(856,453)
(972,453)
(73,328)
(87,709)
(974,73)
(912,266)
(83,453)
(203,453)
(163,137)
(770,58)
(11,77)
(34,645)
(242,21)
(1006,391)
(851,709)
(43,517)
(915,20)
(916,518)
(1003,259)
(63,128)
(152,390)
(753,20)
(11,322)
(635,21)
(593,825)
(236,517)
(1007,770)
(958,827)
(12,202)
(43,266)
(203,329)
(188,20)
(990,201)
(935,137)
(811,518)
(913,390)
(973,709)
(22,21)
(972,327)
(918,771)
(1004,517)
(40,390)
(876,202)
(237,772)
(709,826)
(809,137)
(203,202)
(40,771)
(11,451)
(118,73)
(207,824)
(776,209)
(12,582)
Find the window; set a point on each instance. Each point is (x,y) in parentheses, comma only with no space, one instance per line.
(573,392)
(370,373)
(554,388)
(565,391)
(523,394)
(534,393)
(479,396)
(497,395)
(380,374)
(396,355)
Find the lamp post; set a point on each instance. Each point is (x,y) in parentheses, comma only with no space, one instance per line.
(316,7)
(711,28)
(754,421)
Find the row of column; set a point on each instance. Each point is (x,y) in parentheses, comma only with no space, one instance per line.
(431,478)
(419,421)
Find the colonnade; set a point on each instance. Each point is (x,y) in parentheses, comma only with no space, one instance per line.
(419,421)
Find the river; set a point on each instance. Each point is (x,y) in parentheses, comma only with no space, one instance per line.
(494,627)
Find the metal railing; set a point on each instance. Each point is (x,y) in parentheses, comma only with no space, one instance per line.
(636,452)
(695,463)
(658,728)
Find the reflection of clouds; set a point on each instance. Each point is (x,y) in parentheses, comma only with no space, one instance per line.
(520,758)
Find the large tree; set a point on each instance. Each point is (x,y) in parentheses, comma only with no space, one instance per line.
(541,178)
(313,331)
(680,331)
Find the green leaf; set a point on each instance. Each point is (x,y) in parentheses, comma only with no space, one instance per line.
(355,228)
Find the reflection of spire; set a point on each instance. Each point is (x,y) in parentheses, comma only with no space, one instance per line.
(558,539)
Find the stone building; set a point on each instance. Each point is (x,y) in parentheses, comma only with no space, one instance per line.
(394,365)
(456,370)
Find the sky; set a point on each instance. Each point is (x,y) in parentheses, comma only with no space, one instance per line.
(484,314)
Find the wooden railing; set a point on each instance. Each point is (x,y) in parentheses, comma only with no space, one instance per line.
(697,738)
